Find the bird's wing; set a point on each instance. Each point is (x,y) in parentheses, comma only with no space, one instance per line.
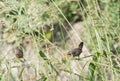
(73,51)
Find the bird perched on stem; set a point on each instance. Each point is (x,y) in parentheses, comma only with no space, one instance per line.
(76,51)
(18,52)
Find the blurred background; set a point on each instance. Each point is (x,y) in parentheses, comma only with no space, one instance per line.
(47,29)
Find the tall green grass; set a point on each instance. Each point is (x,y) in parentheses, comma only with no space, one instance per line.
(49,22)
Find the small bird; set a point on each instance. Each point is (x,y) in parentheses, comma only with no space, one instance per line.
(18,52)
(76,51)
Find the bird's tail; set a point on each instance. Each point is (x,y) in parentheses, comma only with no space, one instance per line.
(81,45)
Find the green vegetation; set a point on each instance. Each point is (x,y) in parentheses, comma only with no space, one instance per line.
(47,24)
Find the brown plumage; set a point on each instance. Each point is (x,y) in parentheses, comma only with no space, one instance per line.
(76,51)
(19,52)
